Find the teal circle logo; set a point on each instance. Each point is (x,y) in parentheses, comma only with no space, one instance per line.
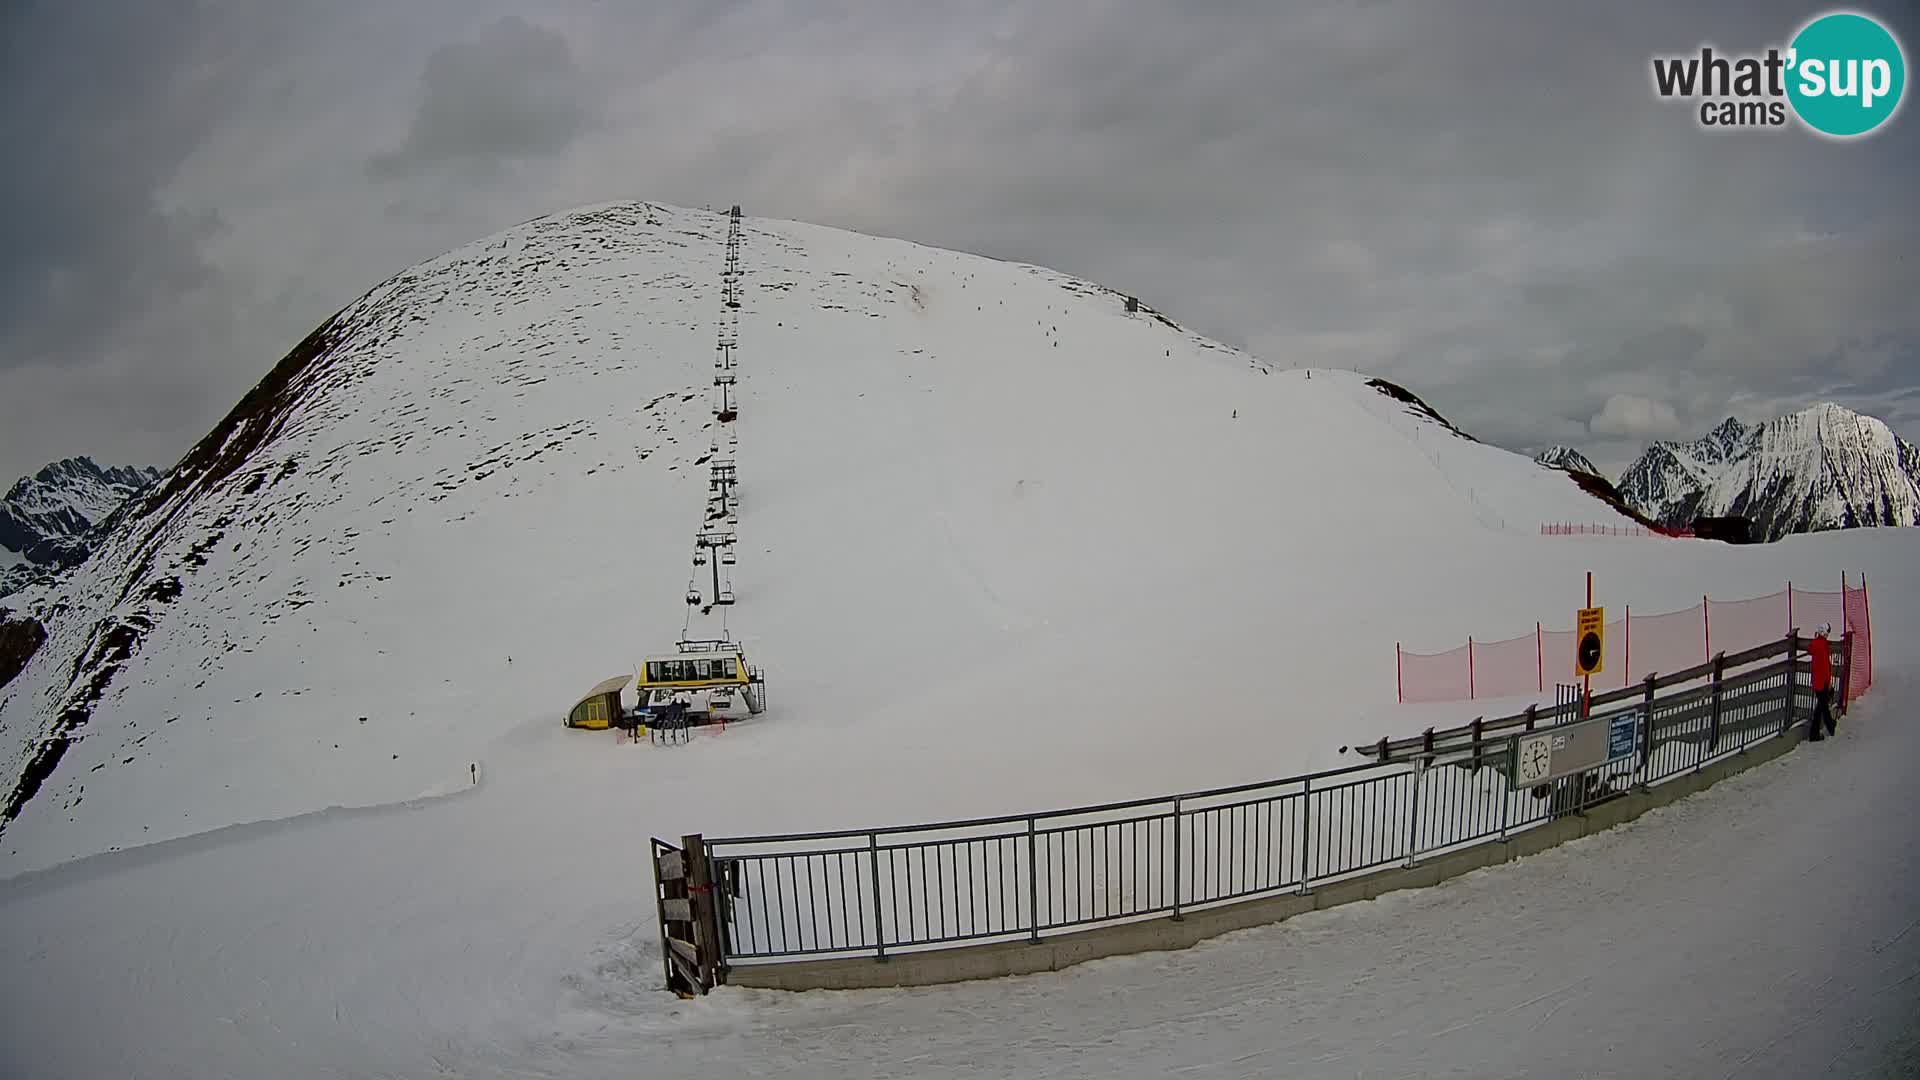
(1846,75)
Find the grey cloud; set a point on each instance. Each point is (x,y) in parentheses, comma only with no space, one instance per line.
(511,92)
(1481,200)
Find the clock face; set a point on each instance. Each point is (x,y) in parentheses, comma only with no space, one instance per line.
(1536,757)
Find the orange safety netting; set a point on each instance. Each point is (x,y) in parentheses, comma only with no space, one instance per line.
(1641,645)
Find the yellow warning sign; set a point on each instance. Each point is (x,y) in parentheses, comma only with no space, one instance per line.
(1590,642)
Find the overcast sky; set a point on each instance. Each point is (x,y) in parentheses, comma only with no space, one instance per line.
(1483,200)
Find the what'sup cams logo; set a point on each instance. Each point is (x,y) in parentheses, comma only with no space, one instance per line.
(1842,76)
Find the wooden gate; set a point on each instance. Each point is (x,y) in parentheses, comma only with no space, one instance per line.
(690,946)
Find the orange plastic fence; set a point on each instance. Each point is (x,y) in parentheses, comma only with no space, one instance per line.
(1639,645)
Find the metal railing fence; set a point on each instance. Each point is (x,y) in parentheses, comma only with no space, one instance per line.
(882,891)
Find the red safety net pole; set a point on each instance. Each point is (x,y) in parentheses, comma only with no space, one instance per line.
(1399,675)
(1706,626)
(1843,597)
(1626,669)
(1586,693)
(1539,660)
(1470,687)
(1866,608)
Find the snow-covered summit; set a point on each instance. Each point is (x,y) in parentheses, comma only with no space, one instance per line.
(1823,467)
(43,513)
(1566,458)
(967,490)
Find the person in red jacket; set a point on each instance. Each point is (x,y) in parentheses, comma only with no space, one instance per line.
(1822,682)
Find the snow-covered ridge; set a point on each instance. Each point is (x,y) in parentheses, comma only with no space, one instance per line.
(44,517)
(466,497)
(1824,467)
(1567,458)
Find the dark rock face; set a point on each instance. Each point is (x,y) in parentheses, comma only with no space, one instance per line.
(20,638)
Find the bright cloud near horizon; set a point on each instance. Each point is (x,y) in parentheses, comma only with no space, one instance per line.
(1484,201)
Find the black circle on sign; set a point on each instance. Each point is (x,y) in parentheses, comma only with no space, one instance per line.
(1589,651)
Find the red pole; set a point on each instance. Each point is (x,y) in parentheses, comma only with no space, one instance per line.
(1706,626)
(1586,692)
(1626,668)
(1539,660)
(1399,680)
(1790,606)
(1866,608)
(1470,688)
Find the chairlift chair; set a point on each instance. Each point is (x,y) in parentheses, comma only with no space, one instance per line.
(725,598)
(699,557)
(693,597)
(726,557)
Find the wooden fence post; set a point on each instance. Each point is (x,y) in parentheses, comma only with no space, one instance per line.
(706,924)
(678,932)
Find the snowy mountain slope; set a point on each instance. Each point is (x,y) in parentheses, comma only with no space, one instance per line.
(981,506)
(1824,467)
(44,517)
(1567,458)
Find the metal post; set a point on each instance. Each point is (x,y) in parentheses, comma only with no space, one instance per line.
(1470,687)
(1626,665)
(1846,665)
(879,925)
(1306,830)
(1177,917)
(1646,735)
(1713,731)
(1413,814)
(1793,671)
(1033,884)
(1506,791)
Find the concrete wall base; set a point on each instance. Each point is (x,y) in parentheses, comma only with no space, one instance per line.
(1054,952)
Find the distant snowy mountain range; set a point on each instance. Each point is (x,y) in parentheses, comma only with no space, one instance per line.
(1824,467)
(46,518)
(1566,457)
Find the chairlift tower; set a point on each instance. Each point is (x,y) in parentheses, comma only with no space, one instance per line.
(722,540)
(724,476)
